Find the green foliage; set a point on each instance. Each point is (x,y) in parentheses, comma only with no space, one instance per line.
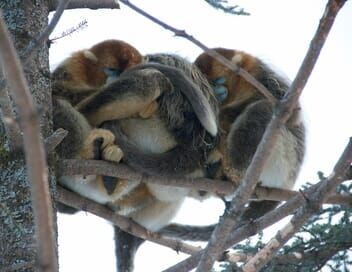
(223,5)
(324,241)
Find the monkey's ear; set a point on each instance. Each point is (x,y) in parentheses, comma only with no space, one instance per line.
(90,56)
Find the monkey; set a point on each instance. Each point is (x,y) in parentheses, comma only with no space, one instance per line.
(82,74)
(176,107)
(244,115)
(85,71)
(110,104)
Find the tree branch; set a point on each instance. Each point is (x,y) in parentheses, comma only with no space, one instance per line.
(34,151)
(233,67)
(312,205)
(90,4)
(54,140)
(76,201)
(248,230)
(8,115)
(220,187)
(44,36)
(281,114)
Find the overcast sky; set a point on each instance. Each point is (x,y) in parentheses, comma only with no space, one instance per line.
(279,32)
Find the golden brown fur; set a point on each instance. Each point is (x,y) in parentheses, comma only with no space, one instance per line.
(84,71)
(244,116)
(164,119)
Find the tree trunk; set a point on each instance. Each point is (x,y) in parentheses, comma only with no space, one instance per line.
(25,20)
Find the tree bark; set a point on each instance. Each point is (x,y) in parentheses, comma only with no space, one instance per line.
(25,21)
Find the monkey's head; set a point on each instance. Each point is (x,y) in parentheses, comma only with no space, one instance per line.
(86,70)
(115,55)
(228,85)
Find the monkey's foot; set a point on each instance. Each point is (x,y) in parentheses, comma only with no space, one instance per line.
(112,153)
(100,145)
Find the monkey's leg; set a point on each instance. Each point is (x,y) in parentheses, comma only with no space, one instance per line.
(126,246)
(132,94)
(138,198)
(67,117)
(100,145)
(244,137)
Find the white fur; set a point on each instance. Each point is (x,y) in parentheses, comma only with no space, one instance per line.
(152,136)
(237,58)
(90,55)
(87,186)
(167,193)
(280,168)
(157,215)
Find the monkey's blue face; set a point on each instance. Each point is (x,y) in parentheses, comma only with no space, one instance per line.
(112,74)
(220,90)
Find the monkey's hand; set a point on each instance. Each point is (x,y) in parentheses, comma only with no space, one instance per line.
(100,144)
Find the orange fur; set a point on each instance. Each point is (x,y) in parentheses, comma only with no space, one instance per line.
(241,95)
(83,71)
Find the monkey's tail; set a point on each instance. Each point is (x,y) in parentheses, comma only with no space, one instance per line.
(126,246)
(188,232)
(178,161)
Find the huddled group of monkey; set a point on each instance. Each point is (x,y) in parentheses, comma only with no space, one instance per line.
(163,115)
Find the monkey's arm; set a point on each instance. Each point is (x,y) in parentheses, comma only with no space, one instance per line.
(180,160)
(128,96)
(282,166)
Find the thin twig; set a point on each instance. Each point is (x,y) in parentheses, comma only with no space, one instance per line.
(74,200)
(34,151)
(248,230)
(232,66)
(316,199)
(54,140)
(219,187)
(8,115)
(281,115)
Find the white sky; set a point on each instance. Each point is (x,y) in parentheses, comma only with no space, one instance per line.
(279,32)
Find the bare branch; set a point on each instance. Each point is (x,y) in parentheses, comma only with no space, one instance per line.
(44,36)
(247,230)
(236,10)
(256,226)
(220,187)
(233,67)
(34,151)
(312,205)
(70,31)
(281,115)
(8,116)
(90,4)
(54,140)
(74,200)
